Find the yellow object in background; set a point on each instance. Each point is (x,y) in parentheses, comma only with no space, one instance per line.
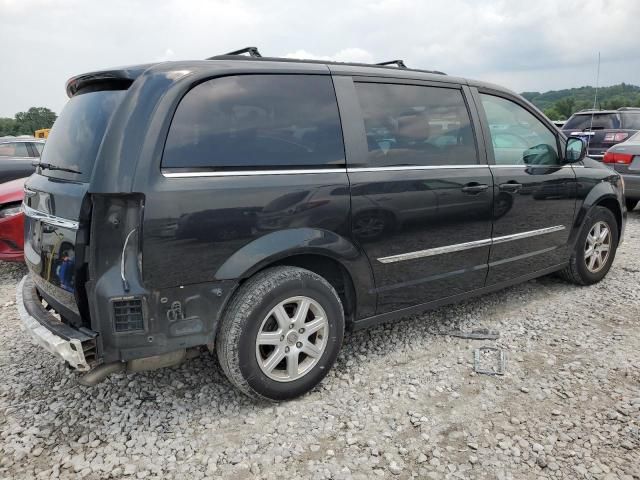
(42,133)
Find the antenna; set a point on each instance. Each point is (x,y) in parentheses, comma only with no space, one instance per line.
(595,101)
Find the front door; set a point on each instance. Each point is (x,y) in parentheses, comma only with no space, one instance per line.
(534,193)
(421,194)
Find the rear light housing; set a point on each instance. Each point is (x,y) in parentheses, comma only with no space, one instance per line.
(615,136)
(617,157)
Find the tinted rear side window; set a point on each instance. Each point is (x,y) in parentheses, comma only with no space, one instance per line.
(77,134)
(601,121)
(631,121)
(409,125)
(256,122)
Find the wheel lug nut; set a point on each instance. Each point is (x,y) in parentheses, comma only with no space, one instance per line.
(286,349)
(281,338)
(299,344)
(301,330)
(291,327)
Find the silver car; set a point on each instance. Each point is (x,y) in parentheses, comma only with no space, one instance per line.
(17,156)
(625,159)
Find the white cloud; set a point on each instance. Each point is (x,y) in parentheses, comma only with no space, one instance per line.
(357,55)
(523,45)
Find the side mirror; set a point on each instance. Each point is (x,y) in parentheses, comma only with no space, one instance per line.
(576,150)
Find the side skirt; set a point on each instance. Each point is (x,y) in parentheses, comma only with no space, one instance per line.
(423,307)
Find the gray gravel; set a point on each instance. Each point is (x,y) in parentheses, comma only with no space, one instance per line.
(401,402)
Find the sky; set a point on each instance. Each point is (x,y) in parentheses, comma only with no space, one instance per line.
(533,45)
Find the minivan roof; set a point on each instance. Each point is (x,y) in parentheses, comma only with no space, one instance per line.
(122,77)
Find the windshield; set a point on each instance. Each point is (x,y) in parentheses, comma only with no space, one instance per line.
(601,121)
(76,135)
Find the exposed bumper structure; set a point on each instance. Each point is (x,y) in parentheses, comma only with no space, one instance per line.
(62,340)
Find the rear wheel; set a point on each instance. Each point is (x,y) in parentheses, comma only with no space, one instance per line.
(595,248)
(281,333)
(631,204)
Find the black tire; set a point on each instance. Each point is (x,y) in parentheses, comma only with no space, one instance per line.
(243,320)
(577,271)
(631,204)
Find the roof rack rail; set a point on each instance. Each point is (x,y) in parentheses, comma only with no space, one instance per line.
(254,54)
(252,51)
(628,108)
(399,63)
(589,110)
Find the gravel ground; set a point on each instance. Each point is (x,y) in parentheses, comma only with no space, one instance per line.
(401,402)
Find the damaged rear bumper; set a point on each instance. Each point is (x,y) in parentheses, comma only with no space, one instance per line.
(76,347)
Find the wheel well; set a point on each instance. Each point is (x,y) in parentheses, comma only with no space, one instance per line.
(613,205)
(333,272)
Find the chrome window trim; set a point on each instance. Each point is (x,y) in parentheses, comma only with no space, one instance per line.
(49,219)
(468,245)
(249,173)
(415,167)
(241,173)
(525,165)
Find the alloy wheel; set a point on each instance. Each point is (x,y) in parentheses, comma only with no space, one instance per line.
(597,247)
(292,339)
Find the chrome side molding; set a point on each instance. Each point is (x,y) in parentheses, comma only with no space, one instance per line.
(458,247)
(532,233)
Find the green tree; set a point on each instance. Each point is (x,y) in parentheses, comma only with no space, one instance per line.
(553,114)
(34,119)
(7,126)
(565,107)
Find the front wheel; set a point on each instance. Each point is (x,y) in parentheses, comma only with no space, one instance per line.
(281,333)
(595,248)
(631,204)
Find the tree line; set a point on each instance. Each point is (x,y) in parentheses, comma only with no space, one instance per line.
(25,123)
(556,104)
(561,104)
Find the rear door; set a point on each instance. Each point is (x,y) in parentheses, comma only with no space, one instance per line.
(421,193)
(534,193)
(55,205)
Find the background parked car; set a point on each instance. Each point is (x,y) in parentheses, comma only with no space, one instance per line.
(625,159)
(11,220)
(17,156)
(603,128)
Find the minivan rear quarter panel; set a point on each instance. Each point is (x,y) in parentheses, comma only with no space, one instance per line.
(206,220)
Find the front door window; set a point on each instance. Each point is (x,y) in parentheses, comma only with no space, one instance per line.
(517,137)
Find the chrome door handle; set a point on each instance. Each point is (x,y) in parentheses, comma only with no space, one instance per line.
(510,187)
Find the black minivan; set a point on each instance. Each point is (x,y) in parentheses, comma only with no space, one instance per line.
(261,206)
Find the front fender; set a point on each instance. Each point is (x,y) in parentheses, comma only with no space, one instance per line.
(276,246)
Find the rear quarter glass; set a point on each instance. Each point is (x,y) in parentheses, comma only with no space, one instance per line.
(631,120)
(76,136)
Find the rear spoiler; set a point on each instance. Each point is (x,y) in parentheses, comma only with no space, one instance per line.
(115,79)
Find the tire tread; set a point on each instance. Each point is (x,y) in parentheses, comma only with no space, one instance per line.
(238,314)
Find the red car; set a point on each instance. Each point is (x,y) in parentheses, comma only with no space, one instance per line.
(11,220)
